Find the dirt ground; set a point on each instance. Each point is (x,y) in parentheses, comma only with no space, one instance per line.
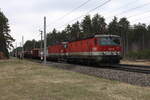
(136,62)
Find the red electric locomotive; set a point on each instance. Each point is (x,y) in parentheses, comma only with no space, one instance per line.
(99,49)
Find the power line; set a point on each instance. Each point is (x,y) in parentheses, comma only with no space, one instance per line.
(125,11)
(140,18)
(99,6)
(86,13)
(135,15)
(71,11)
(129,3)
(140,6)
(138,14)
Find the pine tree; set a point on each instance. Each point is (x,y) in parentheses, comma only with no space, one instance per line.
(86,26)
(68,33)
(124,29)
(98,24)
(75,31)
(113,27)
(5,38)
(139,35)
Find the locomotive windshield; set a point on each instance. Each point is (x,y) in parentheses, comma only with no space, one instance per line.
(109,41)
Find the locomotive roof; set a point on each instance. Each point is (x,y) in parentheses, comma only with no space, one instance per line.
(107,36)
(96,36)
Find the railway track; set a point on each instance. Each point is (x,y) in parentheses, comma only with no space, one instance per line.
(132,74)
(124,67)
(132,68)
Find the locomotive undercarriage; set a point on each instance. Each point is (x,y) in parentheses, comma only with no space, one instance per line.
(87,59)
(94,59)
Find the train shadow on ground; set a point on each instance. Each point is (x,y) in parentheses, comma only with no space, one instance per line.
(121,67)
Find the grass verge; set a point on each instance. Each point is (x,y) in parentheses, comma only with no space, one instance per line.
(25,80)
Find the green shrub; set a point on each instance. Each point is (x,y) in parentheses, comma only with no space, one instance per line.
(144,54)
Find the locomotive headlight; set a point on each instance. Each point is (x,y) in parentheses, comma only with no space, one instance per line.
(111,53)
(104,53)
(118,53)
(114,53)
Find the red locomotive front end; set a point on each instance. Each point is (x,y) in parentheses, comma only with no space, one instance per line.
(107,49)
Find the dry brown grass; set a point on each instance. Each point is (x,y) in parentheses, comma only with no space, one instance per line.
(142,62)
(25,80)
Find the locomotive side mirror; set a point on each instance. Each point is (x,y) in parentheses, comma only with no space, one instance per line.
(65,46)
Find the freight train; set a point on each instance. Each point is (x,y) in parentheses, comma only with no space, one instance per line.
(98,49)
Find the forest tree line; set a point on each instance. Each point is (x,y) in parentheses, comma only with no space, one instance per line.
(134,38)
(5,38)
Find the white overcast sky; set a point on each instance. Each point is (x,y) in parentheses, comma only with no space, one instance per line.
(26,16)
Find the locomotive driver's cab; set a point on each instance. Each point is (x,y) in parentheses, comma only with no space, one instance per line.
(109,46)
(109,41)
